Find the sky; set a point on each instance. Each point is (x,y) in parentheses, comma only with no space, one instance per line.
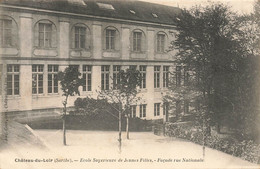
(239,6)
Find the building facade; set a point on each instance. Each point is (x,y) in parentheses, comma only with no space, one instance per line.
(39,38)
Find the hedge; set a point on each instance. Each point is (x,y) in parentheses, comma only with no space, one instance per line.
(246,149)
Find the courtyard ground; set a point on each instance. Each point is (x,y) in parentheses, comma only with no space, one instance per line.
(99,149)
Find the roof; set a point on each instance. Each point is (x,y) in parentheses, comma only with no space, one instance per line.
(124,9)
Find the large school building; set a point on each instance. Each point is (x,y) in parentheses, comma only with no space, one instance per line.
(38,38)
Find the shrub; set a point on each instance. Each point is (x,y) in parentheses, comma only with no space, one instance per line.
(246,149)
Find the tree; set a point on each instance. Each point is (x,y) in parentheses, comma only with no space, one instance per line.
(123,94)
(70,82)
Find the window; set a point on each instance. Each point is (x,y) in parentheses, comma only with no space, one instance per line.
(87,69)
(116,76)
(137,41)
(143,76)
(45,34)
(37,79)
(178,75)
(156,109)
(157,76)
(110,39)
(186,76)
(186,106)
(13,79)
(1,78)
(105,77)
(160,42)
(53,78)
(142,110)
(5,32)
(165,76)
(133,111)
(80,37)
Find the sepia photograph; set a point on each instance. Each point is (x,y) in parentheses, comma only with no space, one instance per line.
(129,84)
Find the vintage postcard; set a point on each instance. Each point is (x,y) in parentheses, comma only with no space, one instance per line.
(129,84)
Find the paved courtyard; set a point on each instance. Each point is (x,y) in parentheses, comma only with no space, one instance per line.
(98,149)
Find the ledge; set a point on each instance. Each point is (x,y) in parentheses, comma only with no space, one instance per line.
(80,53)
(8,51)
(111,54)
(45,52)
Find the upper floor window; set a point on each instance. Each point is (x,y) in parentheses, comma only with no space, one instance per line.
(6,32)
(45,34)
(160,42)
(80,37)
(138,41)
(111,40)
(13,79)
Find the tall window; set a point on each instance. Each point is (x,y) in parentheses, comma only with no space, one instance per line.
(142,110)
(105,77)
(137,41)
(157,76)
(186,76)
(178,75)
(156,109)
(116,76)
(165,76)
(5,32)
(53,78)
(160,42)
(45,33)
(1,78)
(186,106)
(133,111)
(143,76)
(37,79)
(110,39)
(13,79)
(87,69)
(80,37)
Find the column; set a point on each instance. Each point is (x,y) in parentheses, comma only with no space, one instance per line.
(125,41)
(64,38)
(97,40)
(26,34)
(150,44)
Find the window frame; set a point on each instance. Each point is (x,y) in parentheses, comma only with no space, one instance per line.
(160,42)
(166,73)
(157,71)
(142,70)
(116,76)
(105,73)
(13,74)
(36,74)
(80,36)
(157,109)
(53,72)
(142,110)
(45,34)
(6,33)
(87,76)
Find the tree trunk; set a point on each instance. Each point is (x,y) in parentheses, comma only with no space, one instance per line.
(64,121)
(120,131)
(127,126)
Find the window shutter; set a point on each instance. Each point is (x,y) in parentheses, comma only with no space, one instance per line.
(53,36)
(143,44)
(14,37)
(36,34)
(88,39)
(72,37)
